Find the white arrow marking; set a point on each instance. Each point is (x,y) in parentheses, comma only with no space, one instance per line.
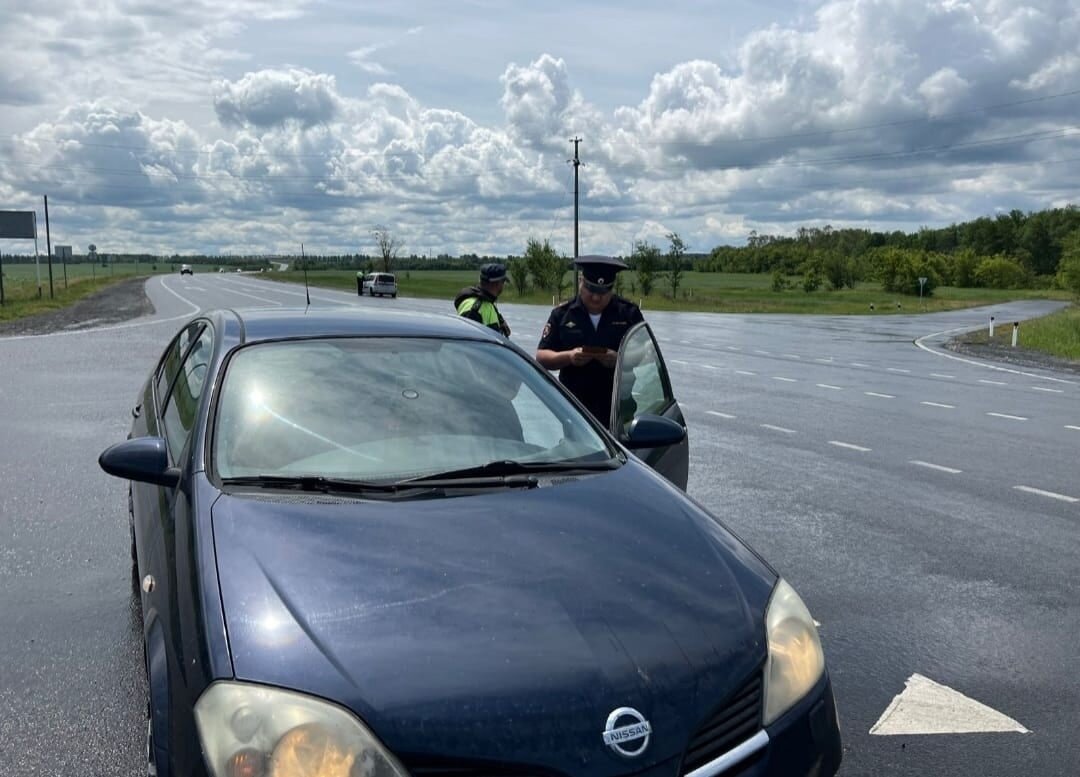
(926,707)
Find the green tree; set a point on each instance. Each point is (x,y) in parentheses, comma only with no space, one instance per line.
(1069,268)
(674,272)
(1001,272)
(519,276)
(547,268)
(646,263)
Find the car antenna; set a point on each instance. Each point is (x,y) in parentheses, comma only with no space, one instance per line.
(303,260)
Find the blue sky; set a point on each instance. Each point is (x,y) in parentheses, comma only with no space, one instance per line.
(254,125)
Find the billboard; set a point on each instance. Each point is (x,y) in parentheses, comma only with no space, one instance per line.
(64,253)
(18,224)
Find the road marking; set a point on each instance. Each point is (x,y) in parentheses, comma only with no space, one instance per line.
(763,353)
(859,364)
(938,467)
(824,361)
(744,372)
(939,375)
(939,404)
(734,348)
(993,382)
(718,414)
(791,355)
(686,342)
(1051,494)
(785,380)
(920,344)
(897,369)
(1048,390)
(875,394)
(684,364)
(195,288)
(926,707)
(1074,428)
(1010,417)
(778,428)
(826,385)
(848,445)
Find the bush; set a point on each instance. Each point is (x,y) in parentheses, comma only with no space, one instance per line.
(1000,272)
(1068,276)
(779,282)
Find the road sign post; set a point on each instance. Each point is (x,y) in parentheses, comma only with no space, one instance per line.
(922,282)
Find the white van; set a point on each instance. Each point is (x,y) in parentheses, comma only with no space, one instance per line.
(377,283)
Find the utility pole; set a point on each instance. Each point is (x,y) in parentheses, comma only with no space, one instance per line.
(577,163)
(48,243)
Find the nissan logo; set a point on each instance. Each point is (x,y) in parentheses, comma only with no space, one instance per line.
(625,728)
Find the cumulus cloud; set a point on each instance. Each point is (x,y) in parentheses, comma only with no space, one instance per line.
(270,98)
(540,106)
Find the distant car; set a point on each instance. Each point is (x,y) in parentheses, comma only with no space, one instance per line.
(372,544)
(221,269)
(185,269)
(377,284)
(239,269)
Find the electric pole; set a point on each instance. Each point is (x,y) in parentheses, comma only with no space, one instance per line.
(577,164)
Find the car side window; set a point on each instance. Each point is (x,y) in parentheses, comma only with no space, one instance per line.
(170,363)
(643,385)
(182,405)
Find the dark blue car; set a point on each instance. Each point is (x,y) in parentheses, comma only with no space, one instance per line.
(378,544)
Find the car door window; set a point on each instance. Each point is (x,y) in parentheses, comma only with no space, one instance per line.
(170,363)
(641,384)
(181,406)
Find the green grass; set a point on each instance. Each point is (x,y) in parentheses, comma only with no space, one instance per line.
(1057,334)
(706,292)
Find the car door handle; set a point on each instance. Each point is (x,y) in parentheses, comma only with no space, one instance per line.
(136,411)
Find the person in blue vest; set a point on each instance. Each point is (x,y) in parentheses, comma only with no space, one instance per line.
(478,302)
(582,336)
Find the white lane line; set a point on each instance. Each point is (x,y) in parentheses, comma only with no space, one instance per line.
(686,342)
(1010,417)
(1074,428)
(709,367)
(681,363)
(897,369)
(194,288)
(778,428)
(849,446)
(824,361)
(920,344)
(718,414)
(859,364)
(255,296)
(785,380)
(791,355)
(993,382)
(734,348)
(827,386)
(938,467)
(744,372)
(763,353)
(875,394)
(939,375)
(1047,390)
(938,404)
(1051,494)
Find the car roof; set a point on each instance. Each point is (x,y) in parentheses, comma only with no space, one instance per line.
(282,323)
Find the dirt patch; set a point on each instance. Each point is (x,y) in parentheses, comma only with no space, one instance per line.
(969,345)
(119,302)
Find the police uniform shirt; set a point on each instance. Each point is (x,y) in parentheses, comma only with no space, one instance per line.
(569,327)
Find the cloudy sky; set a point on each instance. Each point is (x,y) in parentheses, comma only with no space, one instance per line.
(250,126)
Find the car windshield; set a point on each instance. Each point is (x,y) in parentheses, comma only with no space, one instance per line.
(377,409)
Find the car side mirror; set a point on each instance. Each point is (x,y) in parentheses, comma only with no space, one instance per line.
(653,431)
(144,459)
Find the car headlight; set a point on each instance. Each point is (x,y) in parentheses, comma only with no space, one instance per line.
(254,731)
(796,661)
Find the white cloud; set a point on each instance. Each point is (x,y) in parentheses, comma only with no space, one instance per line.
(943,91)
(270,98)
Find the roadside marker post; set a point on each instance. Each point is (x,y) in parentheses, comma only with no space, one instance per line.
(991,326)
(1016,332)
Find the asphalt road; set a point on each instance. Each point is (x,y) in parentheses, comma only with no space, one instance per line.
(926,508)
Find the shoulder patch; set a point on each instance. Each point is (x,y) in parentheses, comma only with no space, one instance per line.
(547,330)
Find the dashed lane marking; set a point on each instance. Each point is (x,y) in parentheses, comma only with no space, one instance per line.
(859,364)
(677,361)
(744,372)
(897,369)
(1074,428)
(709,367)
(828,386)
(1050,494)
(824,361)
(993,382)
(734,348)
(785,380)
(778,428)
(939,404)
(939,375)
(938,467)
(876,394)
(1010,417)
(849,446)
(763,353)
(718,414)
(791,355)
(1047,390)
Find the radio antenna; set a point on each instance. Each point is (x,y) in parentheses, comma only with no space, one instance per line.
(303,259)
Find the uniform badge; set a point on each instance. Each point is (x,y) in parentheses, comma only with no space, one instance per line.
(547,330)
(570,324)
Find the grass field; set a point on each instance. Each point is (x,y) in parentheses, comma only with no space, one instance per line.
(707,292)
(21,297)
(1057,334)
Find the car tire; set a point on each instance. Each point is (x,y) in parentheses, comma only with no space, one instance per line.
(394,295)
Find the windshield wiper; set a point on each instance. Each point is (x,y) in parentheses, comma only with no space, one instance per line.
(507,469)
(317,483)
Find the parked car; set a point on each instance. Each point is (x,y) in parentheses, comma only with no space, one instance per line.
(388,545)
(376,283)
(185,269)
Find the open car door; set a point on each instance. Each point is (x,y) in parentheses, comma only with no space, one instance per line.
(642,388)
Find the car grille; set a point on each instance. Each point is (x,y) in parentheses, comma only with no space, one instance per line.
(737,720)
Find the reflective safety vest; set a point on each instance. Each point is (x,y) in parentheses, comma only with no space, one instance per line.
(472,307)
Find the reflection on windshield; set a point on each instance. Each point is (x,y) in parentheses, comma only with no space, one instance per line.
(375,408)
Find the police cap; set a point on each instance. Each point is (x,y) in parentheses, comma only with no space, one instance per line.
(492,273)
(599,271)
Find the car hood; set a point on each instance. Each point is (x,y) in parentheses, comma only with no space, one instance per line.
(503,626)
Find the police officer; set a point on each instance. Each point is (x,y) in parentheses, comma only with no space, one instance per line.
(582,336)
(478,302)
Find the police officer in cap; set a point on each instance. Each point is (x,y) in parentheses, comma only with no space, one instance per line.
(478,302)
(582,336)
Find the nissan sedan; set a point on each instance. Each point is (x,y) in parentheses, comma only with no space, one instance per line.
(371,544)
